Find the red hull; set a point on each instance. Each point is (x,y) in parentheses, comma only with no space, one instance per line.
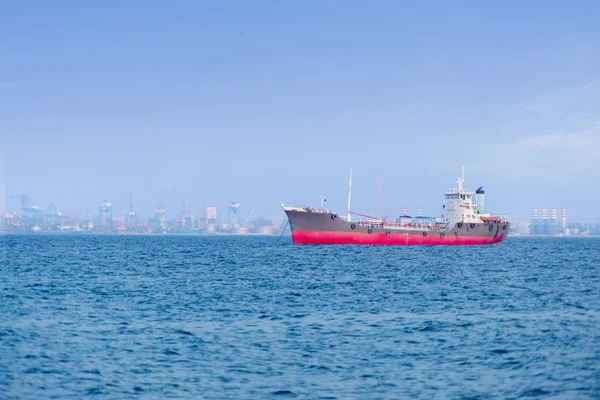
(381,239)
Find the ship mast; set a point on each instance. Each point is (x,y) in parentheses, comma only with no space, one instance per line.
(461,180)
(349,194)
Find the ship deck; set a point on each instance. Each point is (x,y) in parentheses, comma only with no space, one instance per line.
(404,227)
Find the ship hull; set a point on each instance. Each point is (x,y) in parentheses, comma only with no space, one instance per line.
(326,228)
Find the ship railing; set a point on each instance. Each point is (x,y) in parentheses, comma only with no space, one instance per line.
(503,217)
(497,217)
(467,192)
(310,209)
(416,227)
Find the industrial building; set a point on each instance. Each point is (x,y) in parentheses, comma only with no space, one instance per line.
(549,224)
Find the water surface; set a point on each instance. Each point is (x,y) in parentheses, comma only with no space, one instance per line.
(256,317)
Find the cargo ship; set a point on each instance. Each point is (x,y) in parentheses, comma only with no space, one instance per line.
(463,222)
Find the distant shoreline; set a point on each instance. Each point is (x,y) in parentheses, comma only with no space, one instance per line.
(52,233)
(136,234)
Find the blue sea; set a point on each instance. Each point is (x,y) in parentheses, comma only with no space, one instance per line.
(119,317)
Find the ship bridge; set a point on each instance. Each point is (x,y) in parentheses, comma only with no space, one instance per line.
(459,205)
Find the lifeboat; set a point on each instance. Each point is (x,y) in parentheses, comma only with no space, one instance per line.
(490,219)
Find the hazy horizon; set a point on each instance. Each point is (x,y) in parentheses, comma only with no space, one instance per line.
(275,102)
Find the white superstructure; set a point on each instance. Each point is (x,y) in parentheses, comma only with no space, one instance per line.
(459,204)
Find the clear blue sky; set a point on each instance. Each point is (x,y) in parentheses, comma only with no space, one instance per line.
(265,102)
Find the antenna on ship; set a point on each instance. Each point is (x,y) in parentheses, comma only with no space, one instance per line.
(349,194)
(322,198)
(377,190)
(461,180)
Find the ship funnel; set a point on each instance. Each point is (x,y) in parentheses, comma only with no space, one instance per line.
(480,200)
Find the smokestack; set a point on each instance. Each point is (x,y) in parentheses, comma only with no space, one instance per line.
(554,214)
(544,213)
(564,218)
(419,211)
(535,213)
(480,200)
(404,211)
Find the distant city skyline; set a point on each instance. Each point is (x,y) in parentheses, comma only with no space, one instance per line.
(235,220)
(272,102)
(11,203)
(198,209)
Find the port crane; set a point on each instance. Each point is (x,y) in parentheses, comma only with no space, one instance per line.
(27,210)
